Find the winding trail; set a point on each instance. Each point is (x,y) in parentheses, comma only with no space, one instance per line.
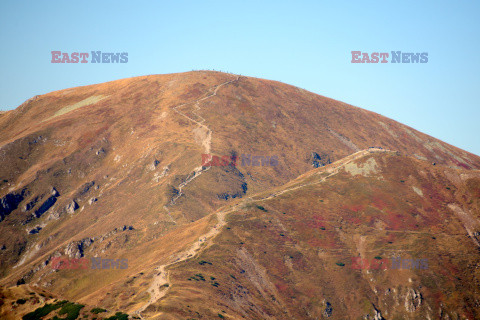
(207,141)
(333,170)
(161,280)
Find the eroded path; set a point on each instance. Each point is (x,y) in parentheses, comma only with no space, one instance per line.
(207,139)
(161,280)
(333,169)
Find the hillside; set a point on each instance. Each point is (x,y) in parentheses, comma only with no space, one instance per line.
(115,171)
(327,245)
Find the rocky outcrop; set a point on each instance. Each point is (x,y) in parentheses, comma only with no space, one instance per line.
(71,207)
(86,187)
(76,249)
(35,230)
(113,232)
(239,194)
(377,315)
(153,165)
(30,205)
(328,310)
(45,206)
(10,202)
(413,300)
(320,160)
(54,192)
(233,171)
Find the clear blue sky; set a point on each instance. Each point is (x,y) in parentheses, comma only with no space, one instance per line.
(304,43)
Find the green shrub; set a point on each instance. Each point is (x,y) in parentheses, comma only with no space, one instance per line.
(341,264)
(118,316)
(71,309)
(42,311)
(197,277)
(97,310)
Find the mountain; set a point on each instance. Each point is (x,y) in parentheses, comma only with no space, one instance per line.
(271,201)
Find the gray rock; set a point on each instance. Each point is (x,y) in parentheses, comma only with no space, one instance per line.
(54,192)
(76,249)
(71,207)
(86,187)
(328,310)
(10,202)
(45,206)
(35,230)
(413,300)
(30,205)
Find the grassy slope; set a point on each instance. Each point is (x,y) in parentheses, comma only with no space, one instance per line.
(115,141)
(284,260)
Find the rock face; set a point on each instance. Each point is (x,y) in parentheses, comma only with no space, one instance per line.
(71,207)
(30,205)
(328,310)
(377,314)
(76,249)
(54,192)
(45,206)
(10,202)
(35,230)
(413,300)
(84,189)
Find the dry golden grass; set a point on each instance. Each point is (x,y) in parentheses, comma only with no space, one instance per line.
(138,140)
